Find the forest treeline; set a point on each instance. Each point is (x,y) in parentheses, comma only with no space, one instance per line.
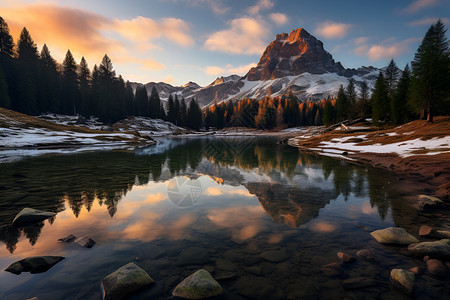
(33,83)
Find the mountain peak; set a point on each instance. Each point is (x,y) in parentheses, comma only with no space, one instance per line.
(191,84)
(293,54)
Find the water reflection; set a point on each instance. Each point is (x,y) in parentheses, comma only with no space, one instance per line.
(291,187)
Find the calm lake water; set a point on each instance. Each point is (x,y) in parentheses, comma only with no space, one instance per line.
(263,218)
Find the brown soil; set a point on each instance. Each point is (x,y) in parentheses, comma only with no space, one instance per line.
(431,172)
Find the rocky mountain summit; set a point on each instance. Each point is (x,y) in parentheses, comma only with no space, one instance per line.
(294,54)
(293,63)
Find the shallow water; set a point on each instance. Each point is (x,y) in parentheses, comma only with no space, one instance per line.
(263,218)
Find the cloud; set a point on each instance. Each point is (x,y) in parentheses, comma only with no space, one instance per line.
(246,35)
(420,5)
(385,51)
(228,69)
(260,5)
(360,40)
(428,21)
(279,18)
(332,30)
(63,28)
(143,29)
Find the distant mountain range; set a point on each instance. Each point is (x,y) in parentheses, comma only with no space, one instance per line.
(295,62)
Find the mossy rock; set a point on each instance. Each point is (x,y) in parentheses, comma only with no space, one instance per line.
(199,285)
(125,282)
(394,235)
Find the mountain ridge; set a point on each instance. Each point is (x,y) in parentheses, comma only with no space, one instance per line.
(292,63)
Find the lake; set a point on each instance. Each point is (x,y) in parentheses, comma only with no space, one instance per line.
(261,217)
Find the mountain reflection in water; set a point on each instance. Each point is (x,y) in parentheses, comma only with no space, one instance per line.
(292,187)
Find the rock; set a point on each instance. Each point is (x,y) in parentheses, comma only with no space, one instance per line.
(199,285)
(437,268)
(125,282)
(426,258)
(358,282)
(193,256)
(403,280)
(67,239)
(416,270)
(275,256)
(438,249)
(430,232)
(31,215)
(394,235)
(346,258)
(332,269)
(34,264)
(85,241)
(428,202)
(366,254)
(255,270)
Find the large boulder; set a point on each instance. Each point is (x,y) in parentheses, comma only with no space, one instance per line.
(394,235)
(34,264)
(438,249)
(31,215)
(125,282)
(199,285)
(436,268)
(403,280)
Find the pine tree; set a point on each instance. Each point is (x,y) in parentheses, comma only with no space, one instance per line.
(183,112)
(194,115)
(155,104)
(70,95)
(141,100)
(6,40)
(391,77)
(4,93)
(350,92)
(399,111)
(364,101)
(50,82)
(328,109)
(28,74)
(342,105)
(84,79)
(176,104)
(431,72)
(171,116)
(379,100)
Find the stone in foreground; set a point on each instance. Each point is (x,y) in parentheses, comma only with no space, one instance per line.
(439,249)
(125,282)
(394,235)
(85,241)
(346,258)
(199,285)
(403,280)
(34,264)
(437,268)
(31,215)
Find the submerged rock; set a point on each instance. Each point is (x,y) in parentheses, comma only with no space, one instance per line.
(346,258)
(125,282)
(394,235)
(366,254)
(403,280)
(85,241)
(193,256)
(428,202)
(275,256)
(437,268)
(430,232)
(67,239)
(438,249)
(333,269)
(34,264)
(31,215)
(199,285)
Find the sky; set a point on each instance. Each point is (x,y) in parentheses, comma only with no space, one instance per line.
(177,41)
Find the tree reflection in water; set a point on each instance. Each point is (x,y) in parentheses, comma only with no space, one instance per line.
(49,182)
